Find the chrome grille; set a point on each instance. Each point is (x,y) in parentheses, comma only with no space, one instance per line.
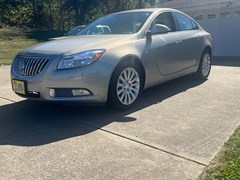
(29,66)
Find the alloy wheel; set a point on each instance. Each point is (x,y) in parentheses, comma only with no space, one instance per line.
(206,64)
(128,86)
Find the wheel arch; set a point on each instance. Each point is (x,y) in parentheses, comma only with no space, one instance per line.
(209,49)
(134,60)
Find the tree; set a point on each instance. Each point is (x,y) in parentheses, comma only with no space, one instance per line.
(62,14)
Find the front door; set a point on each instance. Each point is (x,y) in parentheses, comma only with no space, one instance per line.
(165,52)
(165,48)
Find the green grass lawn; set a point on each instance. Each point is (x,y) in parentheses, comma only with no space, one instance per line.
(226,165)
(14,40)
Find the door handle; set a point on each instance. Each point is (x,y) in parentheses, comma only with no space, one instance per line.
(179,41)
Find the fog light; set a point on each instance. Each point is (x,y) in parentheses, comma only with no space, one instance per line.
(52,92)
(80,92)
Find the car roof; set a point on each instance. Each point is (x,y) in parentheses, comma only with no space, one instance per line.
(148,10)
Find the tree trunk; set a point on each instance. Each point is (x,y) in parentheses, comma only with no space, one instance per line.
(77,12)
(69,20)
(34,14)
(62,20)
(140,4)
(50,14)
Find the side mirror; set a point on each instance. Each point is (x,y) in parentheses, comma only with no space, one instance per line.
(149,34)
(159,29)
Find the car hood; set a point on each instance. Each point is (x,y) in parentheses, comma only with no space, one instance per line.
(75,44)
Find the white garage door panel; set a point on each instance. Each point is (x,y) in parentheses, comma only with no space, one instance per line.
(226,35)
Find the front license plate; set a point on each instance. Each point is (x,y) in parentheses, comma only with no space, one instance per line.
(19,86)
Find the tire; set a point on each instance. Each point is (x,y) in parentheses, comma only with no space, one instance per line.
(204,67)
(125,87)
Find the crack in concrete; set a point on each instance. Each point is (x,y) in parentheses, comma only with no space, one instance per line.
(145,144)
(127,138)
(7,99)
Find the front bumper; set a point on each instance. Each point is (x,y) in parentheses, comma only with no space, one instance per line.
(94,77)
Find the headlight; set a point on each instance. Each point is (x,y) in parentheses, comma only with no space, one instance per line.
(80,59)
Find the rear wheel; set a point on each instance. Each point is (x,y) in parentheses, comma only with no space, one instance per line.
(204,65)
(125,87)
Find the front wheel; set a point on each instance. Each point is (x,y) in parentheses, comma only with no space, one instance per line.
(125,87)
(204,66)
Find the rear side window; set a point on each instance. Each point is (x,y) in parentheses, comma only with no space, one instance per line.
(184,23)
(195,26)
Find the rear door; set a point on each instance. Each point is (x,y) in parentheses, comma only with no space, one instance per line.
(189,41)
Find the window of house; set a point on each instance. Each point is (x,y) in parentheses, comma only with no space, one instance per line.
(237,12)
(211,16)
(199,17)
(225,14)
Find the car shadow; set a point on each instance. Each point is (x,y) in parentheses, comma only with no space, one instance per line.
(226,61)
(30,123)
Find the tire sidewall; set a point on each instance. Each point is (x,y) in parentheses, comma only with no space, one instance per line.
(200,71)
(113,100)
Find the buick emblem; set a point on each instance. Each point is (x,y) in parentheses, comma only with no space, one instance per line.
(22,65)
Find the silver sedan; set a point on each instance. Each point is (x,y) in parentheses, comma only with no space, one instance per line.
(114,58)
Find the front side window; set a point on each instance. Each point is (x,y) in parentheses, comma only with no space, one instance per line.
(184,23)
(121,23)
(165,19)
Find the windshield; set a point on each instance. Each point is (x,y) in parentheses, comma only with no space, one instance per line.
(122,23)
(72,31)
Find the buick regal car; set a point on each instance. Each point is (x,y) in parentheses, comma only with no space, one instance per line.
(114,58)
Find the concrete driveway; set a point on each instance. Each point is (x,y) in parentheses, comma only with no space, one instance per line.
(173,133)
